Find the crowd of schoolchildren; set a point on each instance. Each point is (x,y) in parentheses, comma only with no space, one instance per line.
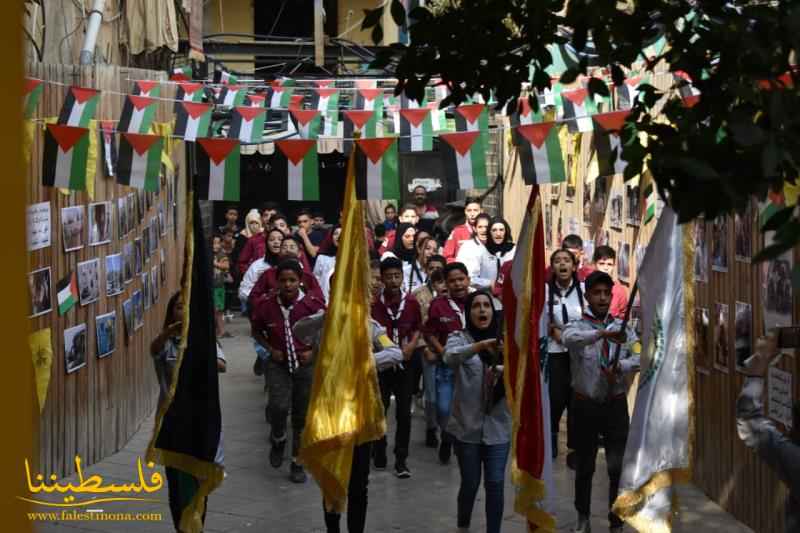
(436,310)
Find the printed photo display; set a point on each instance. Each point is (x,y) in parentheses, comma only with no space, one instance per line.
(721,348)
(700,251)
(719,244)
(75,346)
(38,226)
(40,290)
(600,197)
(122,216)
(127,316)
(702,340)
(89,281)
(106,326)
(154,283)
(138,309)
(615,217)
(587,203)
(633,213)
(72,224)
(743,339)
(114,279)
(127,262)
(146,289)
(743,230)
(100,223)
(624,261)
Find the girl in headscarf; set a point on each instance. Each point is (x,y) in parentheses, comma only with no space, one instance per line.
(405,249)
(255,245)
(500,250)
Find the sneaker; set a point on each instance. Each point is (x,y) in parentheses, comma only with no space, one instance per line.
(276,453)
(572,460)
(583,526)
(431,441)
(258,367)
(379,460)
(401,470)
(445,449)
(297,473)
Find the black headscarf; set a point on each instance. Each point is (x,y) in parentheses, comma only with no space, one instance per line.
(505,246)
(328,246)
(496,389)
(493,331)
(404,254)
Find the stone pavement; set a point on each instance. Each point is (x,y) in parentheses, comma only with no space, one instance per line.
(257,498)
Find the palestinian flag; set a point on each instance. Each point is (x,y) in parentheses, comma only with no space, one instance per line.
(33,92)
(323,99)
(578,109)
(231,95)
(66,152)
(370,100)
(649,202)
(410,103)
(283,82)
(377,176)
(522,115)
(137,115)
(438,117)
(296,101)
(225,77)
(189,92)
(279,97)
(218,169)
(255,100)
(247,124)
(183,73)
(464,160)
(472,117)
(365,122)
(148,88)
(416,130)
(687,91)
(608,142)
(193,120)
(540,153)
(307,122)
(79,107)
(627,92)
(139,163)
(297,160)
(366,84)
(392,111)
(325,83)
(67,292)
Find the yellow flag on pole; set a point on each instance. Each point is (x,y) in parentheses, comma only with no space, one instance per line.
(345,408)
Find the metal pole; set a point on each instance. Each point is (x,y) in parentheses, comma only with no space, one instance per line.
(92,29)
(627,317)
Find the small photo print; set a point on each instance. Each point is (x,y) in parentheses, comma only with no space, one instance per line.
(163,269)
(624,261)
(548,227)
(138,309)
(72,224)
(138,256)
(640,251)
(615,217)
(147,289)
(75,344)
(162,222)
(633,213)
(743,340)
(154,283)
(131,207)
(145,244)
(100,214)
(127,315)
(587,203)
(743,231)
(114,275)
(719,244)
(702,330)
(154,236)
(89,281)
(122,216)
(127,262)
(700,251)
(140,208)
(600,197)
(588,249)
(39,285)
(721,347)
(106,333)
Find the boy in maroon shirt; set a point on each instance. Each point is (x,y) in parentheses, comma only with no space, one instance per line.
(445,316)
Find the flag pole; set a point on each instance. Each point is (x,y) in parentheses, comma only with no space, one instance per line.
(625,320)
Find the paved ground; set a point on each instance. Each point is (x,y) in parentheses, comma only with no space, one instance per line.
(257,498)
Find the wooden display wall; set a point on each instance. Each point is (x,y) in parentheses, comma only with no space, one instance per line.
(726,470)
(94,411)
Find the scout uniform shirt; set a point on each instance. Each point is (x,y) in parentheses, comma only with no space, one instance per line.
(401,319)
(445,316)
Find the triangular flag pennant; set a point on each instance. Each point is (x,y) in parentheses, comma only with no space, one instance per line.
(296,101)
(628,91)
(522,115)
(79,107)
(188,92)
(225,77)
(255,100)
(416,130)
(193,120)
(148,88)
(307,122)
(649,202)
(608,142)
(279,97)
(438,117)
(472,117)
(464,160)
(366,84)
(411,103)
(324,99)
(687,91)
(137,115)
(325,83)
(41,345)
(297,160)
(540,153)
(33,92)
(183,73)
(247,124)
(67,292)
(218,169)
(377,174)
(66,152)
(364,122)
(370,100)
(231,95)
(139,164)
(578,109)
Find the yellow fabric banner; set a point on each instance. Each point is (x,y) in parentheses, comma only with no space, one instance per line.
(41,345)
(28,133)
(345,408)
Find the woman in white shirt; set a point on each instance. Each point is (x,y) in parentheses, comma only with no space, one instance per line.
(326,263)
(405,249)
(500,249)
(472,251)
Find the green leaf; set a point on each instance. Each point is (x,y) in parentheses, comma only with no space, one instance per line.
(598,86)
(570,75)
(778,219)
(398,12)
(772,251)
(372,17)
(617,75)
(377,34)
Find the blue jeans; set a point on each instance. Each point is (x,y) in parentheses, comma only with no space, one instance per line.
(493,458)
(444,394)
(261,352)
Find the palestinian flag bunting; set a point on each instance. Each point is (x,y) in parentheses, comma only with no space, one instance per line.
(218,169)
(522,115)
(608,142)
(193,120)
(189,92)
(79,107)
(540,153)
(324,99)
(578,108)
(628,91)
(225,77)
(464,160)
(231,95)
(297,158)
(472,117)
(247,124)
(416,130)
(307,122)
(33,93)
(67,293)
(148,88)
(377,176)
(279,97)
(255,100)
(649,202)
(363,122)
(686,89)
(66,152)
(137,115)
(139,163)
(183,73)
(370,100)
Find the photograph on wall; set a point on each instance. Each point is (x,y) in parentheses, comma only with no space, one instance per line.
(776,275)
(559,229)
(633,211)
(138,260)
(600,197)
(780,397)
(573,226)
(743,339)
(640,251)
(131,206)
(127,262)
(604,238)
(140,209)
(114,275)
(145,244)
(108,144)
(569,189)
(75,345)
(72,227)
(587,203)
(743,230)
(138,309)
(163,269)
(99,223)
(122,216)
(700,251)
(38,226)
(719,244)
(147,294)
(39,285)
(154,283)
(548,227)
(89,281)
(721,346)
(588,250)
(154,235)
(162,222)
(702,330)
(615,217)
(106,326)
(637,320)
(624,261)
(555,192)
(127,315)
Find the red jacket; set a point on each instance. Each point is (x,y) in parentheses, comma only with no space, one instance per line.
(443,319)
(253,249)
(459,235)
(409,321)
(268,318)
(619,301)
(267,285)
